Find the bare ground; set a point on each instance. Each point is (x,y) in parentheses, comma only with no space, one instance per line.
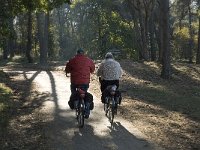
(164,119)
(170,119)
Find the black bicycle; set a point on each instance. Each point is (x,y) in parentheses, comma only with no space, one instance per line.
(110,105)
(80,108)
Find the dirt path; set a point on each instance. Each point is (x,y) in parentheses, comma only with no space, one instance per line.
(61,131)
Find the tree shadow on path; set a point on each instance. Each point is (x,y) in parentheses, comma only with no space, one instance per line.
(63,133)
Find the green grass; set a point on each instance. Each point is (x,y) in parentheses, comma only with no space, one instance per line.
(5,101)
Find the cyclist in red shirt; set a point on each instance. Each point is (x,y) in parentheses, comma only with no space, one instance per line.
(80,67)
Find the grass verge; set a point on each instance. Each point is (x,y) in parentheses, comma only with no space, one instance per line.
(166,111)
(5,101)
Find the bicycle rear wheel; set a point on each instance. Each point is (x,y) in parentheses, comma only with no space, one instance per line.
(112,111)
(80,117)
(110,114)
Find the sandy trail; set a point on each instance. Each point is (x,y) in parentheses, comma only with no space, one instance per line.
(62,132)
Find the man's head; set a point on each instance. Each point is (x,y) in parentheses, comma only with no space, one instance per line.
(109,55)
(80,51)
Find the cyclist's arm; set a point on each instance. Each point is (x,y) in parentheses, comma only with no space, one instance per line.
(67,69)
(99,71)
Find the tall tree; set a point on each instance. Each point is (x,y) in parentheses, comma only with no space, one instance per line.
(7,28)
(11,37)
(184,10)
(164,26)
(40,27)
(29,31)
(61,22)
(198,45)
(190,43)
(43,26)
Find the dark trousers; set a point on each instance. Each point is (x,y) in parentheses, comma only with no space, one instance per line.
(105,83)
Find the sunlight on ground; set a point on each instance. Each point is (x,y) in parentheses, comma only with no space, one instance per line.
(153,65)
(194,74)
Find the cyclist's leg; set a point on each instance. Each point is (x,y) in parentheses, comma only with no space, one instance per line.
(87,109)
(105,92)
(103,85)
(73,88)
(118,94)
(73,101)
(89,99)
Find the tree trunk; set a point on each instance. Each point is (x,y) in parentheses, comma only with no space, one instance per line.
(191,35)
(23,38)
(29,37)
(61,30)
(45,40)
(144,51)
(40,27)
(151,38)
(99,35)
(11,37)
(158,37)
(43,25)
(136,30)
(198,48)
(166,66)
(5,49)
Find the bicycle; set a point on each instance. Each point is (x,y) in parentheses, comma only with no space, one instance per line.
(80,108)
(110,105)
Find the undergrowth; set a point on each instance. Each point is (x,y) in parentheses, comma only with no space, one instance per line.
(5,101)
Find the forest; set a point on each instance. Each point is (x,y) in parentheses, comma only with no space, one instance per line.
(156,42)
(140,30)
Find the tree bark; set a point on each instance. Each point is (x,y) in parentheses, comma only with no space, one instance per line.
(11,37)
(43,25)
(191,35)
(5,49)
(46,39)
(198,48)
(166,65)
(40,33)
(61,31)
(29,37)
(144,51)
(151,38)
